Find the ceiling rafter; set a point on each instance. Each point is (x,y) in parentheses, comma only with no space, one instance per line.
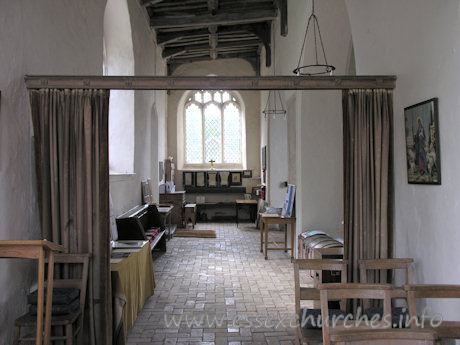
(169,52)
(213,29)
(237,17)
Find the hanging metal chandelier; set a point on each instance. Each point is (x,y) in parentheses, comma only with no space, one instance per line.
(318,67)
(274,105)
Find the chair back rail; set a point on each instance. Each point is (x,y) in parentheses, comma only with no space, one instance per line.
(312,293)
(387,265)
(381,333)
(447,329)
(81,263)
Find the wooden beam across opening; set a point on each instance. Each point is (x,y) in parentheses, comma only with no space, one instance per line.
(211,83)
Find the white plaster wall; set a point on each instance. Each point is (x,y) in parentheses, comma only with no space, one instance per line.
(274,131)
(162,110)
(119,60)
(277,160)
(251,100)
(36,37)
(418,40)
(126,189)
(319,165)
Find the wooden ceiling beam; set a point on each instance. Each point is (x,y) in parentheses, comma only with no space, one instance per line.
(169,52)
(282,7)
(213,5)
(210,83)
(213,38)
(164,38)
(177,10)
(237,17)
(146,3)
(172,3)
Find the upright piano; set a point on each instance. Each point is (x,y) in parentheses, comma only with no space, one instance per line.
(142,222)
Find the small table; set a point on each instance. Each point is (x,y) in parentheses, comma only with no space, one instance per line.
(166,211)
(37,249)
(133,282)
(265,221)
(252,208)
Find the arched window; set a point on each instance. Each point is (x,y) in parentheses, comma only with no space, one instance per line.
(213,130)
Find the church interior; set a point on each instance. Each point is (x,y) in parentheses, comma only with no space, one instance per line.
(162,115)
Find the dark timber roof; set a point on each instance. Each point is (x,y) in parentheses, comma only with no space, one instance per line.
(201,30)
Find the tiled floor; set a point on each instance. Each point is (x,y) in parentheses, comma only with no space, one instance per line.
(219,291)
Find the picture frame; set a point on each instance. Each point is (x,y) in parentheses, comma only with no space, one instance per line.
(235,178)
(223,178)
(212,179)
(200,179)
(188,178)
(423,156)
(264,157)
(247,173)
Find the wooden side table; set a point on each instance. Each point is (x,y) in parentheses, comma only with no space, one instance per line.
(265,221)
(37,249)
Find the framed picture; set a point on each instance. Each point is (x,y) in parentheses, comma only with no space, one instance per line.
(247,173)
(212,179)
(223,178)
(235,178)
(264,157)
(188,178)
(200,179)
(422,143)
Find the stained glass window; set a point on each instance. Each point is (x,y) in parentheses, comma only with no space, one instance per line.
(213,129)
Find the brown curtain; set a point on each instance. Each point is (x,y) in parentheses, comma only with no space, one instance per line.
(71,153)
(368,177)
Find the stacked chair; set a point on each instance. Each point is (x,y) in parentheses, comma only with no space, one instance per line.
(383,324)
(69,292)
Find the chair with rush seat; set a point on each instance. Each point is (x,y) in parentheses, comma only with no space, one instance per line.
(68,300)
(308,331)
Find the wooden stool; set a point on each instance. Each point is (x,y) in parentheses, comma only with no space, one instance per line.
(190,214)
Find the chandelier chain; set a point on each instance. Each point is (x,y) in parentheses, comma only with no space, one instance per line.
(313,20)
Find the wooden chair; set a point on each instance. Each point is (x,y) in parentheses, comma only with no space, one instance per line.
(387,265)
(307,335)
(348,332)
(72,322)
(447,329)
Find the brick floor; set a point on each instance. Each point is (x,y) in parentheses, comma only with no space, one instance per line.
(219,291)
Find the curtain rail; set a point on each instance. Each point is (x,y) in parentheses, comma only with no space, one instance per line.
(210,83)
